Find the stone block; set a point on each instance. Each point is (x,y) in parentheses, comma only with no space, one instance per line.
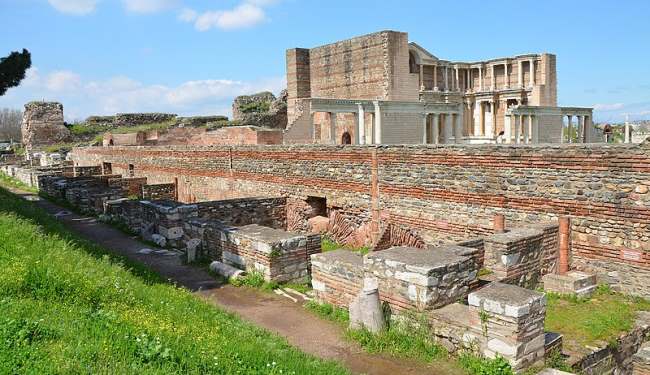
(578,283)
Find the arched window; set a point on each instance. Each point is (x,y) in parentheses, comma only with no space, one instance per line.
(346,139)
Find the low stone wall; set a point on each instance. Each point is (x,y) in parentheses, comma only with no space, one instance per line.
(166,218)
(269,212)
(617,358)
(522,255)
(278,255)
(131,186)
(90,170)
(415,279)
(337,276)
(641,360)
(157,192)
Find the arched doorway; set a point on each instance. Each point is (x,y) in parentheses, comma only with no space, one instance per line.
(346,139)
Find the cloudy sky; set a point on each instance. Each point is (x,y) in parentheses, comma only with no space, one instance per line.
(193,56)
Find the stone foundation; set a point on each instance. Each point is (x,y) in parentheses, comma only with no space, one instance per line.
(574,282)
(337,276)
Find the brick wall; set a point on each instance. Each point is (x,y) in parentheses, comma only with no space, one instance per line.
(269,212)
(441,191)
(159,191)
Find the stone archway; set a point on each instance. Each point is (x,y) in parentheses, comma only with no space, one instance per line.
(346,138)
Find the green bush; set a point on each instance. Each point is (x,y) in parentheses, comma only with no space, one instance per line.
(475,365)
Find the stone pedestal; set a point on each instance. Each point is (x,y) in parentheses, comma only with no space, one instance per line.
(573,282)
(512,320)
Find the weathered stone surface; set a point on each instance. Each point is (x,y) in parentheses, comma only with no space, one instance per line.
(261,109)
(365,309)
(43,124)
(574,282)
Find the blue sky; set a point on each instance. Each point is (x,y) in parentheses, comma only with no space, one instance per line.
(193,57)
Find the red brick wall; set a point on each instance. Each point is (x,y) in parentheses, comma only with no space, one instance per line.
(445,192)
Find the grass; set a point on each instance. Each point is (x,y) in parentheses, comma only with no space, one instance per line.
(328,244)
(601,318)
(11,182)
(411,339)
(66,306)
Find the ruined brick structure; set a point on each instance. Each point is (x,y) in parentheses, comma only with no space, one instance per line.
(43,124)
(443,194)
(381,89)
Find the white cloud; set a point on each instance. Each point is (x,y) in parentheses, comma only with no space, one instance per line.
(82,98)
(608,107)
(62,80)
(76,7)
(246,14)
(148,6)
(188,15)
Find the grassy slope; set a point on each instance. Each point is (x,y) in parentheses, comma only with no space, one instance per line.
(66,308)
(586,321)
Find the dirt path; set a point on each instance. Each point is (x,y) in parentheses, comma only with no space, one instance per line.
(277,314)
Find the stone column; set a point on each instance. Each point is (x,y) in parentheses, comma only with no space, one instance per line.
(480,78)
(517,126)
(568,130)
(535,128)
(446,78)
(495,106)
(527,123)
(435,127)
(377,127)
(333,127)
(494,79)
(589,130)
(425,128)
(471,124)
(507,76)
(448,129)
(361,125)
(579,129)
(531,79)
(520,73)
(481,118)
(627,130)
(422,77)
(507,128)
(457,79)
(458,126)
(435,78)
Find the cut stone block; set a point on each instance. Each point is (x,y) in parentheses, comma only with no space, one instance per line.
(573,282)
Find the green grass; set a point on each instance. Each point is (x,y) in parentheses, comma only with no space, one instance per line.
(8,181)
(329,312)
(328,244)
(601,318)
(68,307)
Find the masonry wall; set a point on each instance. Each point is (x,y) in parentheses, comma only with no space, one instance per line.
(440,191)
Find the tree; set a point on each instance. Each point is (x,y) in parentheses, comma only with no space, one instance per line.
(12,69)
(10,120)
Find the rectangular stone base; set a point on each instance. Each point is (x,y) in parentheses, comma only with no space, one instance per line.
(573,282)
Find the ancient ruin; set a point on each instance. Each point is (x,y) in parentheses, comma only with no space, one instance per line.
(43,124)
(460,180)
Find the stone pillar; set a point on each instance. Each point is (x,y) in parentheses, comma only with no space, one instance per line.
(579,129)
(535,128)
(589,130)
(446,78)
(507,76)
(377,127)
(435,127)
(627,130)
(494,79)
(517,128)
(520,74)
(458,127)
(448,129)
(457,86)
(480,127)
(564,243)
(507,128)
(526,124)
(333,127)
(361,125)
(425,128)
(569,129)
(435,78)
(499,223)
(531,79)
(495,106)
(480,78)
(422,77)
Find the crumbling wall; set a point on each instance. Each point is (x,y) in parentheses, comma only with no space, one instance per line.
(448,192)
(43,124)
(268,212)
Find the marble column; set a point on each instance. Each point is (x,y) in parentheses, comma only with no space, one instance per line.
(448,130)
(517,129)
(457,79)
(568,130)
(507,128)
(535,128)
(435,78)
(480,78)
(361,125)
(446,78)
(435,127)
(458,127)
(481,118)
(531,79)
(333,127)
(422,77)
(589,130)
(425,128)
(494,79)
(507,76)
(495,105)
(520,74)
(377,127)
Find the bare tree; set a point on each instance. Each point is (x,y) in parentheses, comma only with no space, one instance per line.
(10,120)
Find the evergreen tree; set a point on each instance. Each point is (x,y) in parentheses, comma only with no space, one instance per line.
(12,69)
